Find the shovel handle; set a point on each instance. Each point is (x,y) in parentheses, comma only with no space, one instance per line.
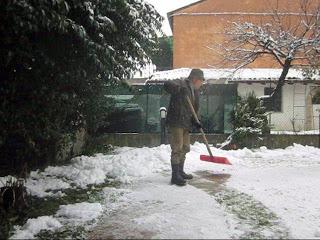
(201,130)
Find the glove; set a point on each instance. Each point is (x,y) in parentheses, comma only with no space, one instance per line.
(184,91)
(198,125)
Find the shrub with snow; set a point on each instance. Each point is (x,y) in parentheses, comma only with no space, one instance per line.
(249,120)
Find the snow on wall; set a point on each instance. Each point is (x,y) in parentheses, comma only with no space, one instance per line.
(256,74)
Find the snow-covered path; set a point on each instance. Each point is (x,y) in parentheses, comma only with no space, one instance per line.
(155,209)
(205,208)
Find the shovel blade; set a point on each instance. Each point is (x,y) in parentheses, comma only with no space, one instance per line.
(215,159)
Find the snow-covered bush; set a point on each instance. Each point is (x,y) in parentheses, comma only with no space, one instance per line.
(249,120)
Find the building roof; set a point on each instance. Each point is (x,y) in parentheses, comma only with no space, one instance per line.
(169,14)
(184,7)
(229,75)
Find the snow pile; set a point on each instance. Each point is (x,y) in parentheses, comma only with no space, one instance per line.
(124,165)
(38,184)
(296,155)
(130,163)
(34,225)
(79,213)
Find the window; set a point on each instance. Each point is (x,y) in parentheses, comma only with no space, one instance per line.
(275,103)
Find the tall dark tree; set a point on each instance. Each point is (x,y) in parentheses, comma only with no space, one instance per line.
(57,58)
(162,55)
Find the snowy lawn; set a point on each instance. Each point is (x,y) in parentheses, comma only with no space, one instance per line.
(264,194)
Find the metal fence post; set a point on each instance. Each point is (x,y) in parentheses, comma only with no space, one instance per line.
(163,115)
(319,131)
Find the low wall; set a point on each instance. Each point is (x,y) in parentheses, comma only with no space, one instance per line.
(152,140)
(285,140)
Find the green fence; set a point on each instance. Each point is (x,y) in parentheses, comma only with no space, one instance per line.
(137,108)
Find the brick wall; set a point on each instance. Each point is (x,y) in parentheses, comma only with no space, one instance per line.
(193,34)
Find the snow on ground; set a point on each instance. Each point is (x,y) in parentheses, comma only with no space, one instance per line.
(285,181)
(155,209)
(80,212)
(42,186)
(283,185)
(34,225)
(291,193)
(84,214)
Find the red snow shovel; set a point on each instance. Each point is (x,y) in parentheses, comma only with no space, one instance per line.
(211,158)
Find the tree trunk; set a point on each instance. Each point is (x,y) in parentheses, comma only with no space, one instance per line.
(282,78)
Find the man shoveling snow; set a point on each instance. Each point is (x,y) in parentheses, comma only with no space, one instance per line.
(180,121)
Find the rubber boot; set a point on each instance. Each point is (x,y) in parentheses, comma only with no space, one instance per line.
(182,173)
(176,177)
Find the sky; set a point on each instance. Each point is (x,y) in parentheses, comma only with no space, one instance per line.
(165,6)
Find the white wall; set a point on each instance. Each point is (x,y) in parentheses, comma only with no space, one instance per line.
(293,96)
(314,109)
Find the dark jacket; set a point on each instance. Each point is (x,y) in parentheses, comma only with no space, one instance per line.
(179,113)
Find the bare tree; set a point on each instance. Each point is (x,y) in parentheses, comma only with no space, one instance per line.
(292,39)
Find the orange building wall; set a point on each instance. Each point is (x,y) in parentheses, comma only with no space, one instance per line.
(193,34)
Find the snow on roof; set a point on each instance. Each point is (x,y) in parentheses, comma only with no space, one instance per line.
(246,74)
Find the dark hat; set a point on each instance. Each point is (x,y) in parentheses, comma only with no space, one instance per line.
(196,73)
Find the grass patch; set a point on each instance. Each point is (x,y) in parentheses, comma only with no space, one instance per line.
(76,232)
(49,205)
(253,213)
(255,219)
